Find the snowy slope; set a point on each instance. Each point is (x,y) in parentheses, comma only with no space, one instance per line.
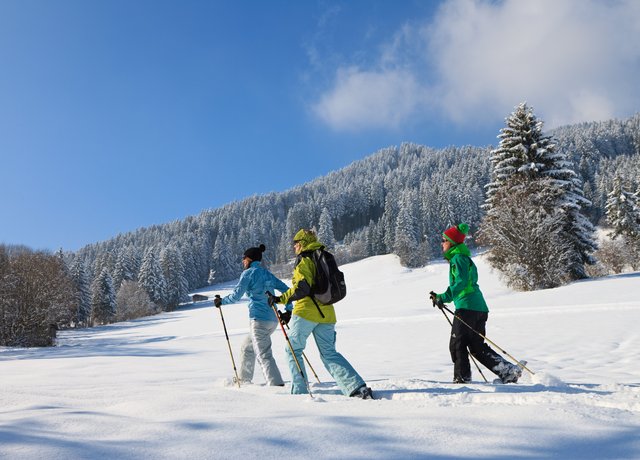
(159,387)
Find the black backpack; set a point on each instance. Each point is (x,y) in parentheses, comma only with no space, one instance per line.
(328,285)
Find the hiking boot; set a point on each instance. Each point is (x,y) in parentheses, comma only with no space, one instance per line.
(363,392)
(512,374)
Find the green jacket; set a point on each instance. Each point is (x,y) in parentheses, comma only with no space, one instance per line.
(463,288)
(303,275)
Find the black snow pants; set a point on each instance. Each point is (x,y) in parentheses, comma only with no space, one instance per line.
(462,338)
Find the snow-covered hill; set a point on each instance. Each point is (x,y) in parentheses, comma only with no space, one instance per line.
(159,387)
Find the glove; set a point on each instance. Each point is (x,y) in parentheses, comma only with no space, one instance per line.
(434,298)
(272,299)
(284,316)
(217,301)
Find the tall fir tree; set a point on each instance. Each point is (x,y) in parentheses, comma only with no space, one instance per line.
(126,267)
(407,237)
(623,212)
(524,160)
(173,270)
(325,229)
(103,299)
(152,279)
(80,279)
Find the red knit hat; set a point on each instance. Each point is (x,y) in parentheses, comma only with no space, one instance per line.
(456,234)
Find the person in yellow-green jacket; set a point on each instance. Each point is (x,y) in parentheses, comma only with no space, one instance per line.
(312,317)
(471,308)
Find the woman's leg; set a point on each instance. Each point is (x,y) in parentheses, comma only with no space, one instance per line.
(340,369)
(261,332)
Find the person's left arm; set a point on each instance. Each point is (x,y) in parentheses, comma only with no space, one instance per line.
(302,281)
(238,291)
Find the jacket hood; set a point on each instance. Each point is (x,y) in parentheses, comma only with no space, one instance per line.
(308,240)
(461,249)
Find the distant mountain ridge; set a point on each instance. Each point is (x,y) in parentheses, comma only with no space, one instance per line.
(396,200)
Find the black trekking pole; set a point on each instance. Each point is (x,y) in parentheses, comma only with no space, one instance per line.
(275,311)
(435,304)
(228,343)
(519,363)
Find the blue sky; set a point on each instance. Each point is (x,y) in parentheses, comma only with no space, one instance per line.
(121,114)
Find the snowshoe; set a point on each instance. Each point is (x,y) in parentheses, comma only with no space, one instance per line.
(363,392)
(514,373)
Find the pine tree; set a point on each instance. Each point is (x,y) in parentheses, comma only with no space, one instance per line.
(623,212)
(80,279)
(524,160)
(126,267)
(325,229)
(407,238)
(173,270)
(103,299)
(222,259)
(152,279)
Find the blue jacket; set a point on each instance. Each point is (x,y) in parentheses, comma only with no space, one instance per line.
(254,282)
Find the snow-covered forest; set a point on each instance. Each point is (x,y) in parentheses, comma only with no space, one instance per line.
(394,201)
(397,200)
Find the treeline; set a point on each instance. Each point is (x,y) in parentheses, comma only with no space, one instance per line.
(397,200)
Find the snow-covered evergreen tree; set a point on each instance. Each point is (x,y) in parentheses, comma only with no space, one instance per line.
(80,279)
(103,299)
(325,229)
(407,237)
(126,267)
(222,259)
(524,158)
(173,270)
(152,279)
(623,212)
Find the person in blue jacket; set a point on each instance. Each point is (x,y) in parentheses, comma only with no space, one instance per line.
(254,282)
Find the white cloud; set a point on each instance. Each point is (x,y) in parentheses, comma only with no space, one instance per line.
(365,99)
(572,60)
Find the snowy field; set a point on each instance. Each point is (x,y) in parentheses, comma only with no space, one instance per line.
(159,387)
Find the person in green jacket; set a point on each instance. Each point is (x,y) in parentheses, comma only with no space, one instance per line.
(471,308)
(312,317)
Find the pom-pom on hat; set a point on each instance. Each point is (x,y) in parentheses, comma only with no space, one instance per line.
(457,233)
(255,253)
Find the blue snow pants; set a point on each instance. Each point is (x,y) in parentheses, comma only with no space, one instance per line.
(325,336)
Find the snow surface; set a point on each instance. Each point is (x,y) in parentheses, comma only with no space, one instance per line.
(160,388)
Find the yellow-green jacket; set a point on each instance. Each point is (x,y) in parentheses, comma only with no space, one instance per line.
(303,275)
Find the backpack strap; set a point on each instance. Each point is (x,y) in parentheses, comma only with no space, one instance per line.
(309,254)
